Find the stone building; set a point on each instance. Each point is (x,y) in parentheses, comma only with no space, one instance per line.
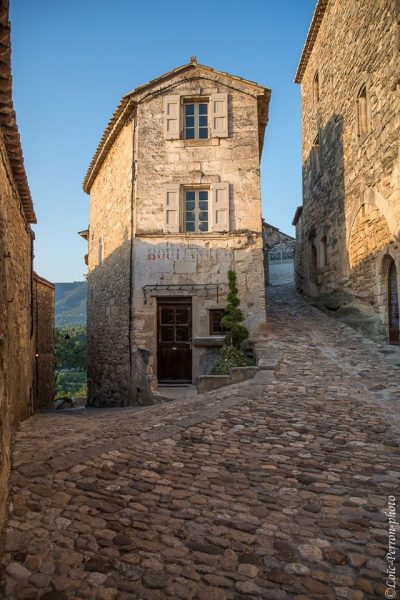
(174,204)
(279,249)
(348,228)
(43,311)
(17,314)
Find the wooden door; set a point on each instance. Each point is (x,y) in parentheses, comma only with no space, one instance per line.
(393,305)
(174,340)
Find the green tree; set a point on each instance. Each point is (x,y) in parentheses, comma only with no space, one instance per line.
(231,321)
(236,333)
(70,351)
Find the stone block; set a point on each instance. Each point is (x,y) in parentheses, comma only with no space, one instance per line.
(267,364)
(185,267)
(242,373)
(205,383)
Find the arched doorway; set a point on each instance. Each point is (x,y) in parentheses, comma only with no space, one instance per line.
(393,304)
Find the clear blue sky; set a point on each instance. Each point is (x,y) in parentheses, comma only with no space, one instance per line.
(73,61)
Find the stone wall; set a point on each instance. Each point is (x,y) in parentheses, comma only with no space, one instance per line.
(127,225)
(116,367)
(351,214)
(198,262)
(16,323)
(43,311)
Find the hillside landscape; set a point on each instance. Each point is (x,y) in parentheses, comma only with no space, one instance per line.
(70,304)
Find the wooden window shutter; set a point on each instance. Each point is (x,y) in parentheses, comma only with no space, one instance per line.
(220,207)
(171,209)
(219,115)
(172,117)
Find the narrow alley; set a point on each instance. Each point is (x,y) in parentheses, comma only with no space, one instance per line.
(273,488)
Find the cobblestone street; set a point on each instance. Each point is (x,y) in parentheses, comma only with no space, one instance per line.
(273,488)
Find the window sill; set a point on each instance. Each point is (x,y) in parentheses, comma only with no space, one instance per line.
(211,341)
(211,141)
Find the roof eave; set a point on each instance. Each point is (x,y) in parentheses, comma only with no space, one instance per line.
(297,215)
(310,40)
(128,102)
(8,121)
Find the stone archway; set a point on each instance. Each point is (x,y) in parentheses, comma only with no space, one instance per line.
(372,200)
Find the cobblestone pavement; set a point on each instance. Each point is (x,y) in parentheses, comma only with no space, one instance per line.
(273,488)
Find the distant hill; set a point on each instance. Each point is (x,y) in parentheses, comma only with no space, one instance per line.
(70,303)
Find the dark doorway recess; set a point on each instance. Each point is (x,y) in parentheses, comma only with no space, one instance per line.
(393,304)
(174,340)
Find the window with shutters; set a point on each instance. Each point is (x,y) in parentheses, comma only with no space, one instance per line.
(196,211)
(196,120)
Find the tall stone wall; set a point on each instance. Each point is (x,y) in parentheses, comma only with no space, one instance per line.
(43,315)
(116,370)
(351,214)
(16,319)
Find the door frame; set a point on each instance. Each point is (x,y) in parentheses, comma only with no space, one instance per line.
(176,300)
(393,334)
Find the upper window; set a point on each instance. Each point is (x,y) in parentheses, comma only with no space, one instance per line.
(316,90)
(362,112)
(196,211)
(196,120)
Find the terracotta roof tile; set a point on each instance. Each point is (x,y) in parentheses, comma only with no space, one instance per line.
(8,121)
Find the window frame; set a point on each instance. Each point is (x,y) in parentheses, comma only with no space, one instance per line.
(316,161)
(316,91)
(363,104)
(197,210)
(196,101)
(212,313)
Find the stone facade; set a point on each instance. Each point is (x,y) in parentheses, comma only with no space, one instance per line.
(279,249)
(18,326)
(348,230)
(139,249)
(16,255)
(43,310)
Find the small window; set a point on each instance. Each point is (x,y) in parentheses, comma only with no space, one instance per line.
(316,90)
(362,112)
(313,270)
(316,157)
(324,251)
(196,211)
(216,315)
(196,120)
(101,250)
